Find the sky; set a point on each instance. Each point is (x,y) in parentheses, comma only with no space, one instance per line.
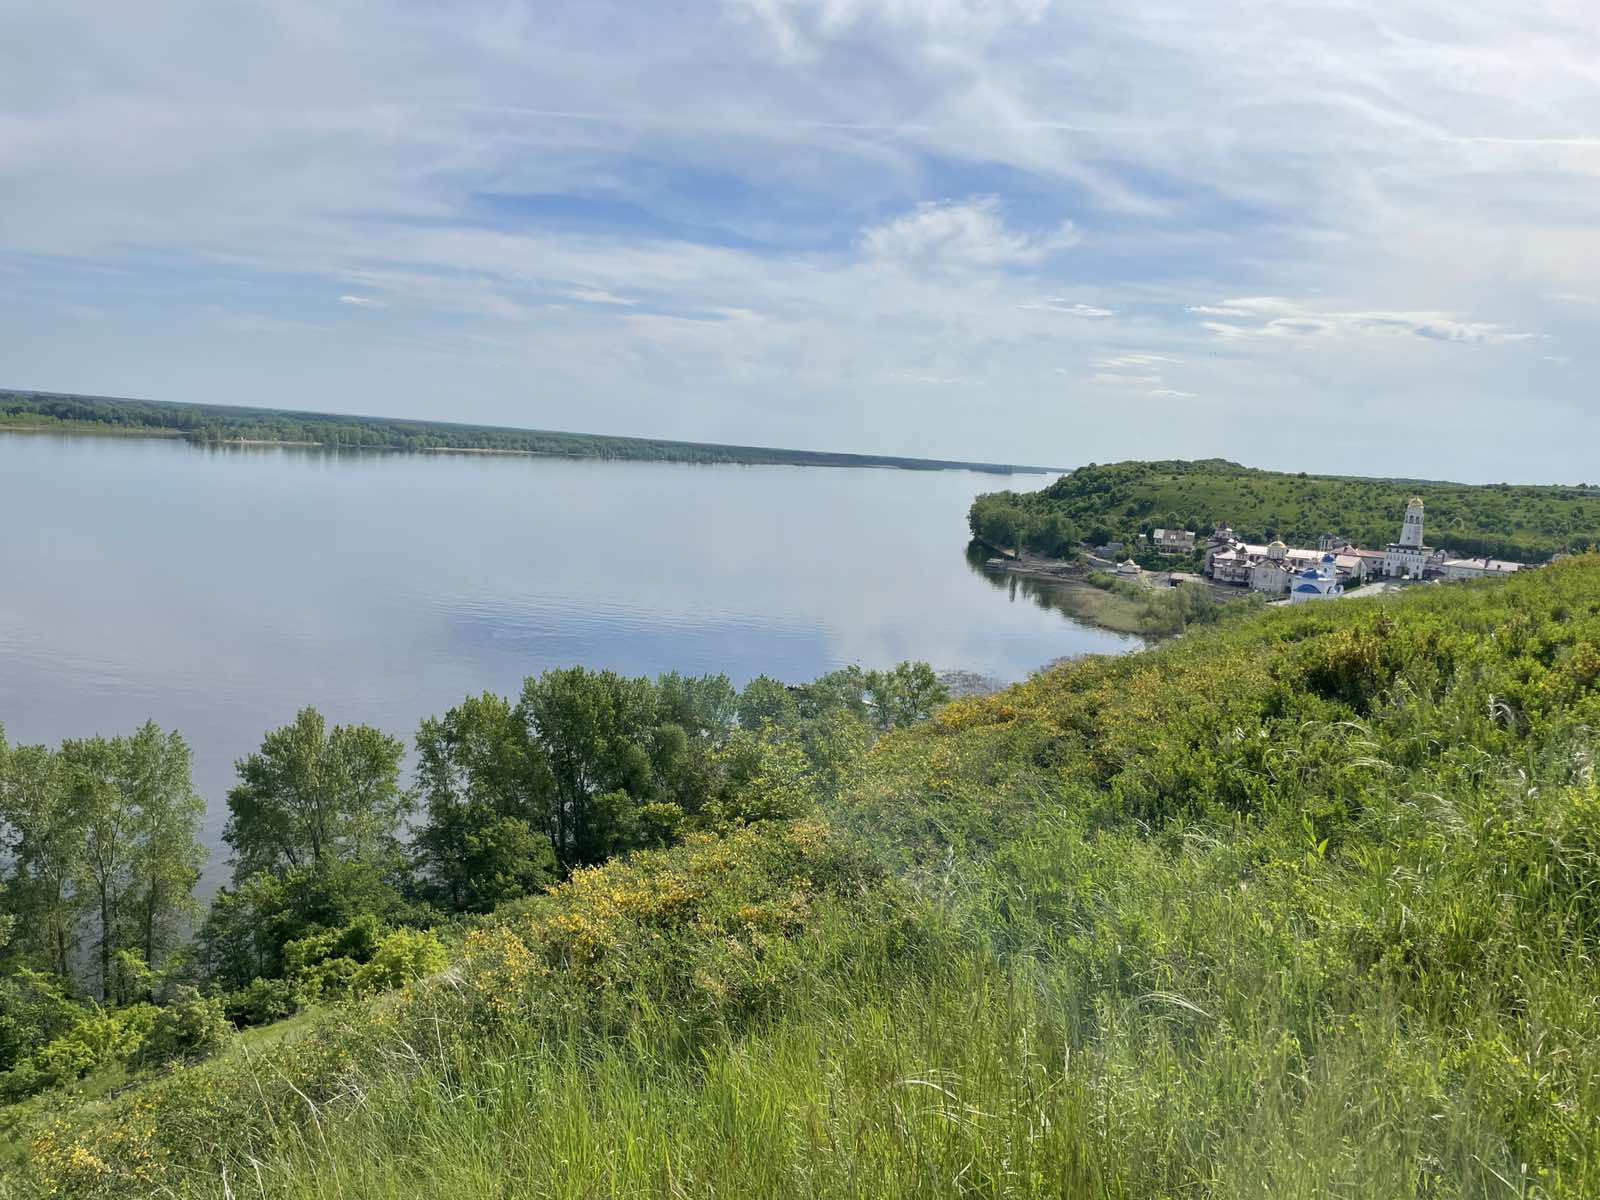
(1359,237)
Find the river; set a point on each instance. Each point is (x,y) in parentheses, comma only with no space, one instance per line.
(216,591)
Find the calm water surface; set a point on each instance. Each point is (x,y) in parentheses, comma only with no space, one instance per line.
(217,591)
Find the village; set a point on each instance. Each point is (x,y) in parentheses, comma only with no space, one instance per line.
(1296,574)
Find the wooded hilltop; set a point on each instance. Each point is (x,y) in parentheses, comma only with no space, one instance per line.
(1305,903)
(1117,501)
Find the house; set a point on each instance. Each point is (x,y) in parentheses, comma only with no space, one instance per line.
(1364,564)
(1477,568)
(1317,583)
(1128,568)
(1231,565)
(1174,541)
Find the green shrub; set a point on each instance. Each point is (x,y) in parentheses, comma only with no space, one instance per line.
(402,956)
(188,1028)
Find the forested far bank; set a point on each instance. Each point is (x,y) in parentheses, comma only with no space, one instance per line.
(346,878)
(216,424)
(1116,502)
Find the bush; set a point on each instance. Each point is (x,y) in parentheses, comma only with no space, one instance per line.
(264,1001)
(189,1028)
(402,956)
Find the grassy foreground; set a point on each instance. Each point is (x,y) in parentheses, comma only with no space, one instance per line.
(1303,905)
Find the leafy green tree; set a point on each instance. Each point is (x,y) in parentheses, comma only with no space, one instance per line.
(312,794)
(34,1005)
(472,859)
(43,854)
(765,700)
(595,728)
(487,789)
(249,925)
(702,706)
(904,695)
(141,854)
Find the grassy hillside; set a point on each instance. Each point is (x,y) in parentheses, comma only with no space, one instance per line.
(1119,500)
(213,423)
(1303,905)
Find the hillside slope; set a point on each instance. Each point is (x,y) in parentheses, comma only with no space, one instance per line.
(1119,500)
(1304,905)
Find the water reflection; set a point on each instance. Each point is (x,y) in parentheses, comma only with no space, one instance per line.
(1050,595)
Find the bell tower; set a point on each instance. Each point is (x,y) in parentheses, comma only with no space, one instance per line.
(1411,531)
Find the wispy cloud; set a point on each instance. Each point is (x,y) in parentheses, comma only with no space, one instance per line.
(362,302)
(969,234)
(601,296)
(1272,316)
(1068,308)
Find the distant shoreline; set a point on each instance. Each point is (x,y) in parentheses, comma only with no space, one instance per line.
(217,424)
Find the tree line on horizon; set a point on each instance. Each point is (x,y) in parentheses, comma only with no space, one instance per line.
(342,874)
(211,425)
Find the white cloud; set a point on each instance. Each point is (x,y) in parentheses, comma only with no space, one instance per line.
(1135,360)
(1173,393)
(969,234)
(601,296)
(1271,316)
(362,302)
(930,380)
(1116,379)
(1068,308)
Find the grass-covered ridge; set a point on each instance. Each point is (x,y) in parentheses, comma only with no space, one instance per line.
(1117,501)
(1303,905)
(212,424)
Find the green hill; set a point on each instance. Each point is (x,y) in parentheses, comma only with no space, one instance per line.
(1305,904)
(1115,501)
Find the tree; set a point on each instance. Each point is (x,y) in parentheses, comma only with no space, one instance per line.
(92,765)
(473,859)
(595,728)
(487,787)
(904,695)
(311,794)
(167,853)
(44,853)
(703,706)
(765,699)
(249,925)
(141,856)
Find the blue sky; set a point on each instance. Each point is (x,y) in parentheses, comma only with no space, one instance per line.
(1363,238)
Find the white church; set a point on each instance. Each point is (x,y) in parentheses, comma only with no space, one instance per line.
(1409,558)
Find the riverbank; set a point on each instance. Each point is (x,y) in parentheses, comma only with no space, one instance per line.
(88,429)
(1087,590)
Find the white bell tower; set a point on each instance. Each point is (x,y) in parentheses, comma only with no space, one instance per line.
(1411,531)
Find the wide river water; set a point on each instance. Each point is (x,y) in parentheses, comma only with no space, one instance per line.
(218,591)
